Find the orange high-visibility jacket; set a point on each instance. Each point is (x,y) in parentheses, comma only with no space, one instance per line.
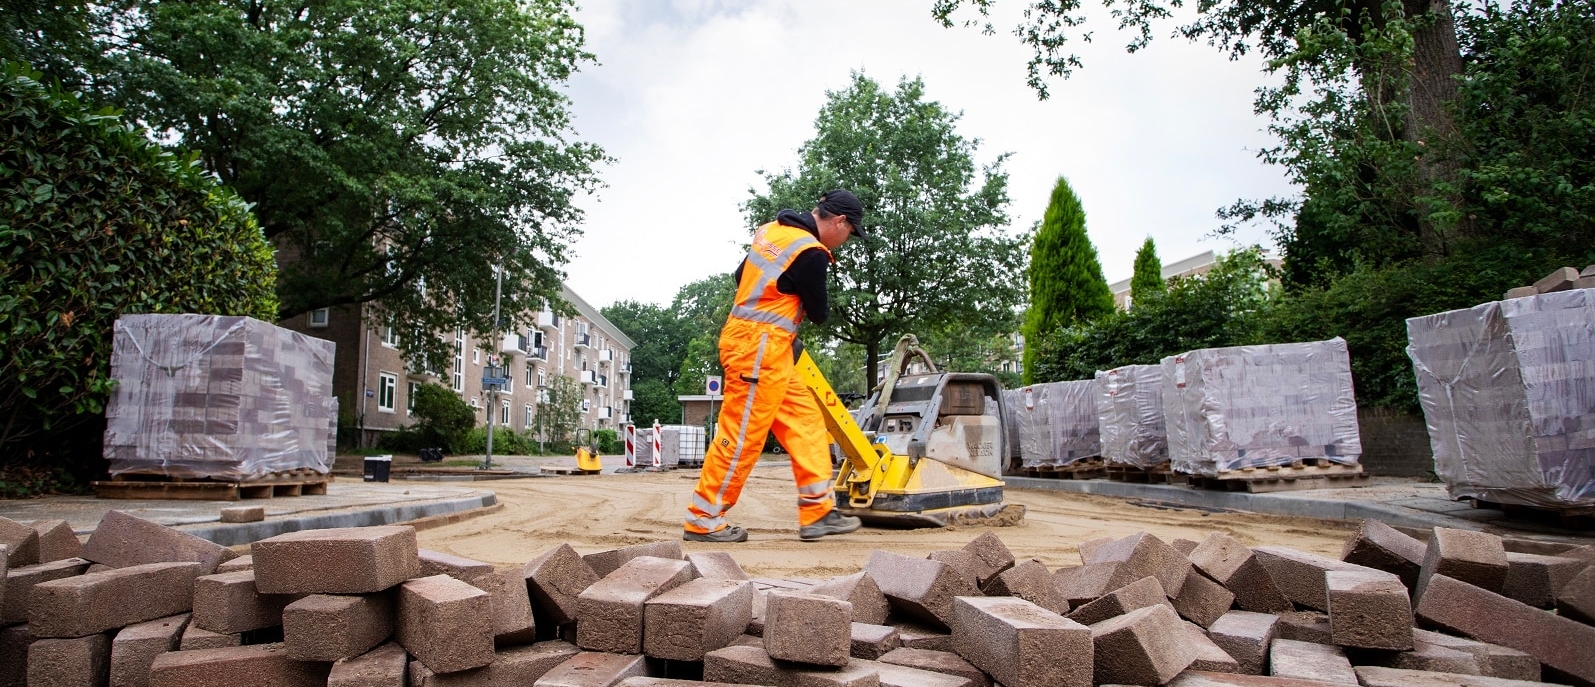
(774,248)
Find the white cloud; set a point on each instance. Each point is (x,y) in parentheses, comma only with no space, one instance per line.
(694,96)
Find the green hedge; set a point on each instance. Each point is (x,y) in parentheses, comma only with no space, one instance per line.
(97,221)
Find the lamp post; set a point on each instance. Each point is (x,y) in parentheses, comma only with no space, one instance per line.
(493,370)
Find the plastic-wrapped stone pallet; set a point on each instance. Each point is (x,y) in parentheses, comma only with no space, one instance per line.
(218,397)
(682,444)
(1057,423)
(1508,393)
(1130,413)
(1257,406)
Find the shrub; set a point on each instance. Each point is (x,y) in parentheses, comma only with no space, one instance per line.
(97,221)
(608,441)
(442,418)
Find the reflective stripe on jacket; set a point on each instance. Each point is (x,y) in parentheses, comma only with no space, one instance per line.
(774,248)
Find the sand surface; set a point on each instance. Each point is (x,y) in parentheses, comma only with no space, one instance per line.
(598,512)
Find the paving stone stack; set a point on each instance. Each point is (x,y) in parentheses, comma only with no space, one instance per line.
(1508,393)
(1056,423)
(1130,413)
(1259,406)
(361,607)
(1560,279)
(207,396)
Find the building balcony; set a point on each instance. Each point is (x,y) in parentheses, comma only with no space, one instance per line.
(514,343)
(603,381)
(624,419)
(606,413)
(627,395)
(548,320)
(538,353)
(626,367)
(606,356)
(589,377)
(584,341)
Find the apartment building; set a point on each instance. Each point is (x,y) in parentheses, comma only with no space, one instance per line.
(375,386)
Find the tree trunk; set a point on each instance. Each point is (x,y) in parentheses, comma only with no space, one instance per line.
(872,354)
(1430,123)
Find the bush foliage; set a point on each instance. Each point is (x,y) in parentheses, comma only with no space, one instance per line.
(97,221)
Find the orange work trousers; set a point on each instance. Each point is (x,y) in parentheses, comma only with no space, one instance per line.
(762,393)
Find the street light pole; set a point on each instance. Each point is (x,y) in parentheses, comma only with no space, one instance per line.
(497,342)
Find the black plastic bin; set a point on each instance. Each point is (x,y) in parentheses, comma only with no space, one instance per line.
(377,468)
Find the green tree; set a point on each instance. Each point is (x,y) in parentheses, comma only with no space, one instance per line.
(442,418)
(1148,276)
(1066,283)
(558,410)
(939,251)
(394,151)
(98,222)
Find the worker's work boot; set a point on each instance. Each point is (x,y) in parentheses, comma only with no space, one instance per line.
(724,535)
(832,523)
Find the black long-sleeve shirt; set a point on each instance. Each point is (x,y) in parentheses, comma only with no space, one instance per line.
(805,277)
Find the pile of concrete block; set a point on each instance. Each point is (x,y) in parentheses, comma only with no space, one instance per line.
(1508,394)
(1260,406)
(1130,413)
(207,396)
(1055,423)
(141,604)
(1562,279)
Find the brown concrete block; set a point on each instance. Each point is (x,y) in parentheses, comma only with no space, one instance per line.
(605,562)
(1426,656)
(77,662)
(756,619)
(385,666)
(228,603)
(1476,558)
(344,560)
(1297,574)
(869,604)
(1202,678)
(1519,292)
(808,629)
(668,682)
(136,646)
(90,604)
(1584,553)
(993,555)
(121,540)
(1382,547)
(195,638)
(1143,647)
(1493,660)
(1230,563)
(1559,643)
(917,636)
(746,665)
(696,618)
(1029,581)
(918,588)
(1141,555)
(324,627)
(610,612)
(1021,644)
(893,675)
(944,662)
(1535,579)
(1561,279)
(457,567)
(260,664)
(964,563)
(1310,661)
(1185,546)
(1209,656)
(56,540)
(1576,599)
(1088,548)
(19,584)
(21,543)
(236,564)
(519,666)
(872,641)
(1305,626)
(445,623)
(715,565)
(555,579)
(1202,601)
(1245,636)
(1086,583)
(1139,594)
(14,642)
(1375,676)
(592,669)
(513,622)
(1369,609)
(243,514)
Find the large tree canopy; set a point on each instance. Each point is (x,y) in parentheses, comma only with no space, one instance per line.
(394,150)
(938,251)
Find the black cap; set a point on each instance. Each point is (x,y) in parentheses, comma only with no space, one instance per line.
(842,202)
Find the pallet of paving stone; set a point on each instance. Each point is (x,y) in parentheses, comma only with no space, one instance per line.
(1130,412)
(293,483)
(1056,424)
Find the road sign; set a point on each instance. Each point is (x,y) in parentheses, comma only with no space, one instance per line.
(494,383)
(713,385)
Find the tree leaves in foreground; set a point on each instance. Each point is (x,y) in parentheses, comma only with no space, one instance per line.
(938,252)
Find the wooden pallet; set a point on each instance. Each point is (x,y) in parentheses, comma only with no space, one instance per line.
(1570,517)
(1310,473)
(1158,475)
(1086,468)
(297,483)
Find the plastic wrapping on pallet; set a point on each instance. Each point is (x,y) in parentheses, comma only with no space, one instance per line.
(1056,423)
(1259,406)
(677,444)
(207,396)
(1130,414)
(1508,393)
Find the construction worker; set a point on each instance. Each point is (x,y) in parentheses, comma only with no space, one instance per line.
(781,281)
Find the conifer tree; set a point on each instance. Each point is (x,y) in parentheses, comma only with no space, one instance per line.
(1066,283)
(1148,277)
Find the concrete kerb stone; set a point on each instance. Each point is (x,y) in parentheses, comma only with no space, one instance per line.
(1310,661)
(14,642)
(605,562)
(1559,643)
(807,628)
(72,662)
(1030,581)
(56,540)
(1382,547)
(513,622)
(1476,558)
(1300,575)
(1232,564)
(1209,656)
(236,564)
(519,666)
(747,665)
(964,563)
(135,647)
(1535,579)
(1376,676)
(699,616)
(21,543)
(893,675)
(993,555)
(326,627)
(1084,584)
(1142,554)
(1245,636)
(1202,601)
(555,579)
(869,604)
(1369,609)
(668,682)
(873,641)
(717,565)
(1021,644)
(1576,599)
(260,664)
(591,669)
(930,660)
(918,588)
(1426,656)
(243,514)
(1202,678)
(1493,660)
(610,612)
(20,581)
(1144,592)
(1305,626)
(357,560)
(121,540)
(384,666)
(246,533)
(196,638)
(445,623)
(229,603)
(457,567)
(917,636)
(1143,647)
(96,602)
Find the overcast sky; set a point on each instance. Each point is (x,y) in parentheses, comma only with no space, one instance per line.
(693,97)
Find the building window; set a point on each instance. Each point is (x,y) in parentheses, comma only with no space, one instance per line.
(542,379)
(504,414)
(409,398)
(530,378)
(528,424)
(586,405)
(459,360)
(387,384)
(390,336)
(476,356)
(319,317)
(475,404)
